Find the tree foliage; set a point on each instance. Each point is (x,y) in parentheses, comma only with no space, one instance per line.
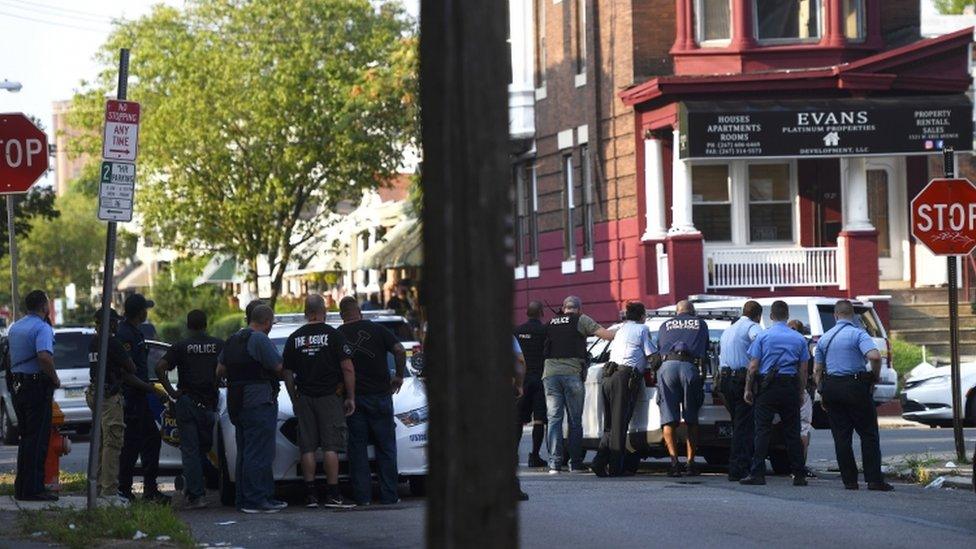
(36,205)
(953,7)
(175,295)
(258,116)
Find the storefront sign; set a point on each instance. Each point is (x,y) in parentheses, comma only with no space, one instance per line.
(825,127)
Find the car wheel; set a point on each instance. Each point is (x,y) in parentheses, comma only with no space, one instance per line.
(8,433)
(418,485)
(716,456)
(228,492)
(780,462)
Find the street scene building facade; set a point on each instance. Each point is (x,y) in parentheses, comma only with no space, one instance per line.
(731,147)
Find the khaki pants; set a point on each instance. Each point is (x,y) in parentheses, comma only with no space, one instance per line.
(113,432)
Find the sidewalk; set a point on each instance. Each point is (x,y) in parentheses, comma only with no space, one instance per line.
(897,422)
(938,470)
(8,503)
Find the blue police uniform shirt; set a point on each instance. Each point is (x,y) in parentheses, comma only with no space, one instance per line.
(847,346)
(735,342)
(29,336)
(134,343)
(779,346)
(684,333)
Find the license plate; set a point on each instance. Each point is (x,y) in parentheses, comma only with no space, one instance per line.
(77,392)
(724,429)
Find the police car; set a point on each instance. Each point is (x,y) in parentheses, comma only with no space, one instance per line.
(927,395)
(409,408)
(646,433)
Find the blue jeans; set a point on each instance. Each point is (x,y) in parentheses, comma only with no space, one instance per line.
(255,433)
(373,419)
(564,396)
(196,437)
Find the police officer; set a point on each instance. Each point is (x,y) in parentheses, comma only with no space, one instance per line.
(195,402)
(562,379)
(531,337)
(778,364)
(846,389)
(734,360)
(252,367)
(683,344)
(623,379)
(518,381)
(34,380)
(142,437)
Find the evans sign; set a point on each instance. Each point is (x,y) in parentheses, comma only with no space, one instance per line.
(825,128)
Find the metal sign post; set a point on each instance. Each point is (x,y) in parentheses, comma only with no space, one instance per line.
(948,160)
(107,284)
(12,247)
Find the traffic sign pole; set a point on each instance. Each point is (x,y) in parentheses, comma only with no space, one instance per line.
(948,160)
(14,294)
(103,332)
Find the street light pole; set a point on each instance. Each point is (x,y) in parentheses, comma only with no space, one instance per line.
(12,87)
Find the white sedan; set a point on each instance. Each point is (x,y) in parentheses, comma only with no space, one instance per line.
(927,395)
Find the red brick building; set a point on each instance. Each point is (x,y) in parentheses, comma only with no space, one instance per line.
(748,147)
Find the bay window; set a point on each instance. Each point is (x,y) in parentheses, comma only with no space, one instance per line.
(711,201)
(787,20)
(713,21)
(770,203)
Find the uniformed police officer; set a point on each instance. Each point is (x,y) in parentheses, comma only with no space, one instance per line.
(252,366)
(562,378)
(623,379)
(142,437)
(683,344)
(734,361)
(778,363)
(195,402)
(846,389)
(531,337)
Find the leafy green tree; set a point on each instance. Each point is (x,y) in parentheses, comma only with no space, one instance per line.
(952,7)
(258,116)
(175,295)
(36,204)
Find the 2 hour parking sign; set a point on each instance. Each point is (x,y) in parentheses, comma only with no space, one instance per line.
(120,146)
(117,184)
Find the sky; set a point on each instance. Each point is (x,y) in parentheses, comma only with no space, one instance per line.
(49,46)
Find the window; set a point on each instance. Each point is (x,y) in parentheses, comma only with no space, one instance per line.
(580,36)
(569,225)
(770,203)
(713,22)
(519,217)
(711,207)
(787,20)
(854,19)
(589,200)
(878,209)
(533,202)
(540,43)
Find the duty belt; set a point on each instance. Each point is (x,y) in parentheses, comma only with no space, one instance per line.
(736,373)
(860,376)
(679,356)
(16,376)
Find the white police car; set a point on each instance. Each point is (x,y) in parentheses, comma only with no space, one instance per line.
(927,395)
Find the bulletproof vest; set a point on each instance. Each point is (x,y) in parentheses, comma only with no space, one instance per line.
(242,368)
(113,381)
(532,338)
(563,339)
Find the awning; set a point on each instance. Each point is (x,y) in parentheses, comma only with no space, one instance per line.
(401,247)
(220,269)
(137,278)
(825,127)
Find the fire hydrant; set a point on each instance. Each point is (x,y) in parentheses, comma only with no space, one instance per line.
(58,445)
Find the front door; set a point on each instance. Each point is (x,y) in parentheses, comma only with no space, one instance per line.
(887,212)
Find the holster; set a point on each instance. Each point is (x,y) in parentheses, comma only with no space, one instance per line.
(768,380)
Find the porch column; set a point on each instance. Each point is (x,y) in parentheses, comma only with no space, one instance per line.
(742,33)
(833,23)
(655,229)
(682,221)
(855,182)
(858,241)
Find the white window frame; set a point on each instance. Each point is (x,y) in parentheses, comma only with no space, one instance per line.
(731,194)
(819,9)
(700,28)
(793,201)
(862,23)
(569,205)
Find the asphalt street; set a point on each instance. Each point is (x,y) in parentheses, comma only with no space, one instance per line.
(649,509)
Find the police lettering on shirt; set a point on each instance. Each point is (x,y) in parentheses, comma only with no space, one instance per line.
(560,320)
(201,348)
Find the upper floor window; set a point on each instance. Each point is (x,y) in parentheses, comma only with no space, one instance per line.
(589,201)
(713,21)
(580,21)
(787,20)
(854,19)
(540,43)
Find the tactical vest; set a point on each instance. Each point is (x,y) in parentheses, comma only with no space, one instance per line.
(563,339)
(532,338)
(242,368)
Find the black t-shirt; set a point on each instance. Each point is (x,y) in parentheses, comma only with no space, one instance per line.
(314,354)
(114,366)
(400,305)
(195,360)
(370,344)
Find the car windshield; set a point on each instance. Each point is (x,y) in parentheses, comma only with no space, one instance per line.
(864,318)
(71,350)
(400,329)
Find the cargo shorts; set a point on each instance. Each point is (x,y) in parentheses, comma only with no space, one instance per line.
(321,423)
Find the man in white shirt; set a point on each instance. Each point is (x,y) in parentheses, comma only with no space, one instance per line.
(623,378)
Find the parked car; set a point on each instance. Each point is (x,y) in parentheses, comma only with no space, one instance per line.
(409,407)
(927,395)
(646,432)
(71,361)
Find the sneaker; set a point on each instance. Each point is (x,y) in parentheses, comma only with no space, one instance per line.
(394,502)
(311,501)
(809,473)
(800,480)
(523,496)
(336,502)
(553,471)
(675,470)
(155,496)
(880,486)
(266,508)
(753,481)
(536,461)
(127,495)
(196,503)
(692,470)
(277,504)
(852,486)
(112,501)
(579,469)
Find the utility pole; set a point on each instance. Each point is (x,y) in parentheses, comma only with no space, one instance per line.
(949,167)
(467,286)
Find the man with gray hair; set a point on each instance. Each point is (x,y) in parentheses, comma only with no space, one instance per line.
(562,377)
(321,382)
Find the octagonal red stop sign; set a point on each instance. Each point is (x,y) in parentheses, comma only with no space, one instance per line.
(23,153)
(944,216)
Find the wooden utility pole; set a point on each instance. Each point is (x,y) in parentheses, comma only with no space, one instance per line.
(467,284)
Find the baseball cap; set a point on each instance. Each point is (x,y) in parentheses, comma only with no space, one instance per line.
(112,315)
(137,302)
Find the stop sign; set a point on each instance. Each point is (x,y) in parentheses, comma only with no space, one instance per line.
(944,216)
(23,153)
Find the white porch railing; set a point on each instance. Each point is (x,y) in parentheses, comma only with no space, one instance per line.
(770,267)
